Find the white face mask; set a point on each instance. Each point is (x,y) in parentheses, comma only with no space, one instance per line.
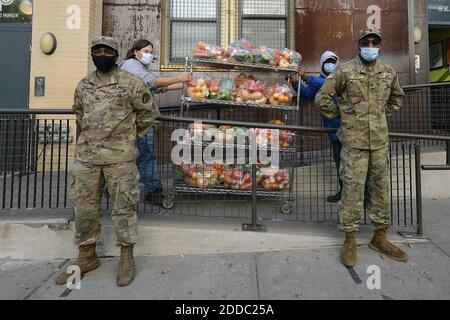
(146,59)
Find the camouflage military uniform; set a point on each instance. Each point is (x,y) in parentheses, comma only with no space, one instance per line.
(113,109)
(366,96)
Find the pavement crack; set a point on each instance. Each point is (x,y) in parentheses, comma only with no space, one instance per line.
(44,281)
(443,251)
(257,277)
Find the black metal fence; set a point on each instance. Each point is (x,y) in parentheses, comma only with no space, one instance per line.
(426,110)
(36,154)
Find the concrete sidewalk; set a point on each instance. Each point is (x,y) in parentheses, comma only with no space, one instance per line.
(200,258)
(294,274)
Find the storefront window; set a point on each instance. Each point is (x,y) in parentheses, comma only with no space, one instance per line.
(439,12)
(16,11)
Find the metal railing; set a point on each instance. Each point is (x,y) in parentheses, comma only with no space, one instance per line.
(36,152)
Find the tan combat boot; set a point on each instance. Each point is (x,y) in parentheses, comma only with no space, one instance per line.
(126,271)
(87,261)
(348,252)
(379,243)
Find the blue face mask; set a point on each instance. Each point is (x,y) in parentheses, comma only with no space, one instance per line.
(370,54)
(329,67)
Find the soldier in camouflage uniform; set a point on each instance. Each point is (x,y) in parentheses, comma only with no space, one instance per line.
(368,90)
(113,109)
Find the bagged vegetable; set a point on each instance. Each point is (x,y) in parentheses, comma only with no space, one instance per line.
(233,54)
(225,89)
(262,55)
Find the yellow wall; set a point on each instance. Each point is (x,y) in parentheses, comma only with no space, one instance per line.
(71,60)
(66,66)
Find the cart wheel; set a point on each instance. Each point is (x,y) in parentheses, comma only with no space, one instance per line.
(287,207)
(167,202)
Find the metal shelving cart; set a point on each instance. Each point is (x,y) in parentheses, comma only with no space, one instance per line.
(256,191)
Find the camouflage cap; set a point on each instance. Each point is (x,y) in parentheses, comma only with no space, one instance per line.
(369,32)
(107,41)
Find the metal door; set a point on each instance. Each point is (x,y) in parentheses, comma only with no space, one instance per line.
(15,60)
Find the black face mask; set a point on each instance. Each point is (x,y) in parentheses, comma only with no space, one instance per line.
(104,63)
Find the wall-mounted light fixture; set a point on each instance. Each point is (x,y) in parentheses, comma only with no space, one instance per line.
(48,43)
(417,34)
(26,8)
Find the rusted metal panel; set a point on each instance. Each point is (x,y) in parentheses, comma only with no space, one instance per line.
(314,35)
(324,4)
(129,20)
(334,25)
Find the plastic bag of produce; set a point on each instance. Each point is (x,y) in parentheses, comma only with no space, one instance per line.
(242,79)
(263,56)
(202,176)
(225,91)
(290,59)
(205,50)
(284,136)
(252,92)
(202,133)
(214,89)
(198,88)
(231,135)
(280,95)
(233,54)
(274,179)
(243,44)
(237,177)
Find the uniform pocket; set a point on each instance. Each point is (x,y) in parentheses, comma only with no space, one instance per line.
(384,84)
(354,93)
(127,184)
